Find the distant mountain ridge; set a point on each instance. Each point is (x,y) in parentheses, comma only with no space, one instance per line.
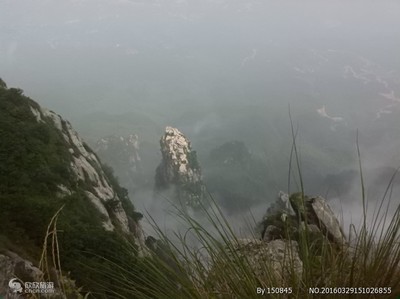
(122,153)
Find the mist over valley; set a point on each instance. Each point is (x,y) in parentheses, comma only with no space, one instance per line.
(180,101)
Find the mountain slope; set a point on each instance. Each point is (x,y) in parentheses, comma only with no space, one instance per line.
(44,165)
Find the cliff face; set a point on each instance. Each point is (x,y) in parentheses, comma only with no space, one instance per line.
(87,169)
(45,165)
(179,169)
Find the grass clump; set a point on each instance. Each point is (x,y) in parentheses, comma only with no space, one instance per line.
(209,260)
(220,266)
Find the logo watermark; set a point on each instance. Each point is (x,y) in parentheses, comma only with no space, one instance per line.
(18,287)
(15,286)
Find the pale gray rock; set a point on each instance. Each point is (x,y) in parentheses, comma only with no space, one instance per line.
(277,214)
(180,169)
(317,212)
(37,114)
(13,266)
(277,261)
(309,214)
(88,169)
(328,220)
(280,256)
(64,191)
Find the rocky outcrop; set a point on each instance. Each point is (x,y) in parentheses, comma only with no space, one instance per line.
(180,169)
(87,168)
(12,265)
(311,214)
(122,153)
(275,263)
(89,174)
(278,219)
(278,258)
(14,268)
(317,215)
(46,167)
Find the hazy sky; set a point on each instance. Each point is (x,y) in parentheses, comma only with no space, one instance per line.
(199,64)
(64,52)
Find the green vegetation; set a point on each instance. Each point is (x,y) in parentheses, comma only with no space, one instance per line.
(214,268)
(122,194)
(34,162)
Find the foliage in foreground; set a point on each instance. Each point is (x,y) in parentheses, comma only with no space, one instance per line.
(212,268)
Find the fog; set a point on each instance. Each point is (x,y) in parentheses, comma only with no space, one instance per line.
(222,71)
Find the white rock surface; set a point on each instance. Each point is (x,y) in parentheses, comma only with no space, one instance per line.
(100,206)
(36,113)
(64,191)
(87,168)
(54,116)
(177,146)
(178,167)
